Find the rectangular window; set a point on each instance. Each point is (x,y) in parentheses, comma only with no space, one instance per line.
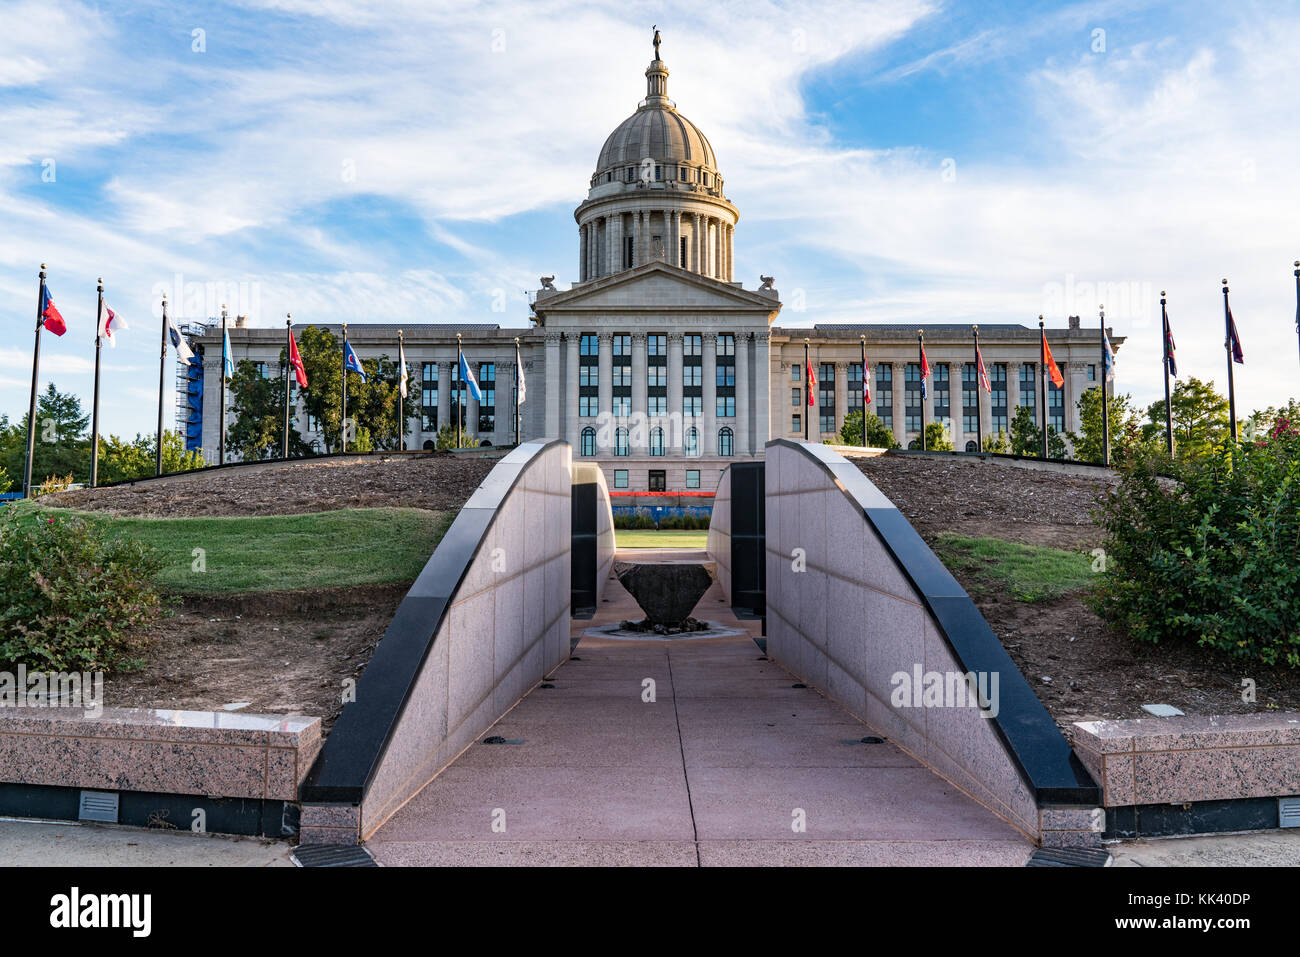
(794,372)
(621,377)
(692,344)
(588,406)
(658,480)
(428,397)
(588,376)
(884,397)
(796,424)
(855,387)
(692,376)
(656,344)
(692,405)
(1028,386)
(620,478)
(1092,373)
(588,344)
(726,375)
(487,377)
(726,406)
(942,395)
(656,405)
(1056,403)
(913,407)
(692,478)
(826,398)
(621,407)
(796,396)
(998,379)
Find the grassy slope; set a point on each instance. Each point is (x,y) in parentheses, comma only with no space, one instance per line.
(1028,573)
(285,552)
(668,538)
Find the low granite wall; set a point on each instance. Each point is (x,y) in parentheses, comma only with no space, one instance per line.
(719,543)
(859,607)
(486,620)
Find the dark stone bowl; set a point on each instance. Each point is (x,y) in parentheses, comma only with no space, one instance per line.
(667,592)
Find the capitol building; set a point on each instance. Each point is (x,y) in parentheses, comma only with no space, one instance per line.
(657,363)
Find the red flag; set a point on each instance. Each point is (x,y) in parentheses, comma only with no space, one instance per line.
(812,382)
(295,360)
(866,385)
(983,372)
(1053,370)
(53,320)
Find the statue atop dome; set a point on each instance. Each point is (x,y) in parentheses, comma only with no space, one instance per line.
(655,28)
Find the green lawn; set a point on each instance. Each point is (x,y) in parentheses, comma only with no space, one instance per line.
(1028,573)
(286,552)
(668,538)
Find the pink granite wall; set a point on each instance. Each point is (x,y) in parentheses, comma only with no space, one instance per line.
(719,544)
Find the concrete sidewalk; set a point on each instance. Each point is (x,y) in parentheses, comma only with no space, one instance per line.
(26,843)
(687,752)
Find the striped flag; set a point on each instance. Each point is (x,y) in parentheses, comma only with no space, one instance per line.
(925,370)
(1169,346)
(983,372)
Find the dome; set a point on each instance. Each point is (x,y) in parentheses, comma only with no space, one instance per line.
(660,132)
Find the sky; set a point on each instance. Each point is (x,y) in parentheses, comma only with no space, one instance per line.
(419,161)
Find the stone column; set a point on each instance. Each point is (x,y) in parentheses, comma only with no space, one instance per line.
(641,245)
(582,254)
(841,393)
(900,399)
(709,428)
(641,437)
(676,429)
(674,240)
(571,398)
(743,396)
(762,391)
(612,244)
(697,243)
(606,372)
(554,376)
(444,393)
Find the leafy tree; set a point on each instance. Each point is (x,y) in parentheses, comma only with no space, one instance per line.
(937,438)
(997,443)
(1122,420)
(62,447)
(372,405)
(258,406)
(1200,418)
(447,438)
(879,435)
(120,460)
(1027,436)
(1257,427)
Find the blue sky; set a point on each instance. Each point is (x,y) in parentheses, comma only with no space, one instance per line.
(906,160)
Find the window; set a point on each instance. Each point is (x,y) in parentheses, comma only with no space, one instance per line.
(692,478)
(726,442)
(970,397)
(796,424)
(621,406)
(588,441)
(657,377)
(621,446)
(588,406)
(913,407)
(621,375)
(260,367)
(726,406)
(656,441)
(1056,403)
(796,396)
(726,344)
(826,398)
(629,252)
(692,376)
(588,376)
(692,444)
(855,387)
(970,446)
(656,405)
(658,480)
(1028,386)
(726,375)
(942,395)
(885,393)
(487,383)
(794,372)
(313,423)
(1092,373)
(692,344)
(620,478)
(692,405)
(588,345)
(998,379)
(428,397)
(656,344)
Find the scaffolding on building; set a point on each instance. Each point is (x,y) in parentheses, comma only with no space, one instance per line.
(189,390)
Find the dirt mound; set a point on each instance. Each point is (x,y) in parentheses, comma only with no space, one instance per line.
(440,482)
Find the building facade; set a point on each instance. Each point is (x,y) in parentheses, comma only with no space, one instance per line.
(661,367)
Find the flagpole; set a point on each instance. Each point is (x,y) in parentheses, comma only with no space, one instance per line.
(1105,417)
(979,411)
(865,387)
(343,421)
(1297,297)
(517,360)
(162,380)
(94,402)
(221,446)
(1164,347)
(1042,368)
(460,358)
(31,409)
(920,362)
(807,390)
(401,409)
(288,351)
(1227,347)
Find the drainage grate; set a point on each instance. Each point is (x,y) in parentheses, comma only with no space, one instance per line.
(1069,857)
(98,806)
(332,855)
(1288,812)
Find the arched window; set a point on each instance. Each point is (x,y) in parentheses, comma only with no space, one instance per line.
(620,442)
(588,441)
(970,447)
(692,441)
(656,441)
(726,442)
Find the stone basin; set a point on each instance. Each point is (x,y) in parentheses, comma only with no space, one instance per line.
(666,591)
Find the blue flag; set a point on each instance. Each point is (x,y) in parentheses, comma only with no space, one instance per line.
(1109,358)
(351,363)
(471,383)
(227,356)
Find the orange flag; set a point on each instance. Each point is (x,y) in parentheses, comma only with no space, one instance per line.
(1053,370)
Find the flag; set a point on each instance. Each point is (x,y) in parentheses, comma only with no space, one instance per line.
(108,322)
(812,381)
(295,360)
(522,390)
(1234,339)
(1169,347)
(53,320)
(351,363)
(925,370)
(1052,368)
(227,355)
(183,350)
(471,383)
(866,385)
(1108,357)
(983,372)
(401,368)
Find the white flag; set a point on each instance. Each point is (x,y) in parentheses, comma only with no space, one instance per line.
(401,368)
(183,350)
(522,390)
(109,323)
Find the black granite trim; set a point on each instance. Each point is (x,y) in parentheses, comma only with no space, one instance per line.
(356,745)
(1196,817)
(748,538)
(253,817)
(585,554)
(1034,743)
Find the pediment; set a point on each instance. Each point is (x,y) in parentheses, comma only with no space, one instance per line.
(659,287)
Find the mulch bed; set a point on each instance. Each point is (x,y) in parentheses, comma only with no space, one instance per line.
(1095,671)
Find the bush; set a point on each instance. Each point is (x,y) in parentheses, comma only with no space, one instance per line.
(75,597)
(1212,556)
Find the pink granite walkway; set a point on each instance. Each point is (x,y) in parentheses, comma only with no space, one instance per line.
(714,771)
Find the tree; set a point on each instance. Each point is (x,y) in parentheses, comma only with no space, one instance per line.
(879,435)
(1200,419)
(937,438)
(258,405)
(447,438)
(372,406)
(120,460)
(62,447)
(1027,436)
(1260,423)
(1121,419)
(996,443)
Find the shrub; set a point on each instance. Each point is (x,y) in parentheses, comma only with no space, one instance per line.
(76,598)
(1212,556)
(55,483)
